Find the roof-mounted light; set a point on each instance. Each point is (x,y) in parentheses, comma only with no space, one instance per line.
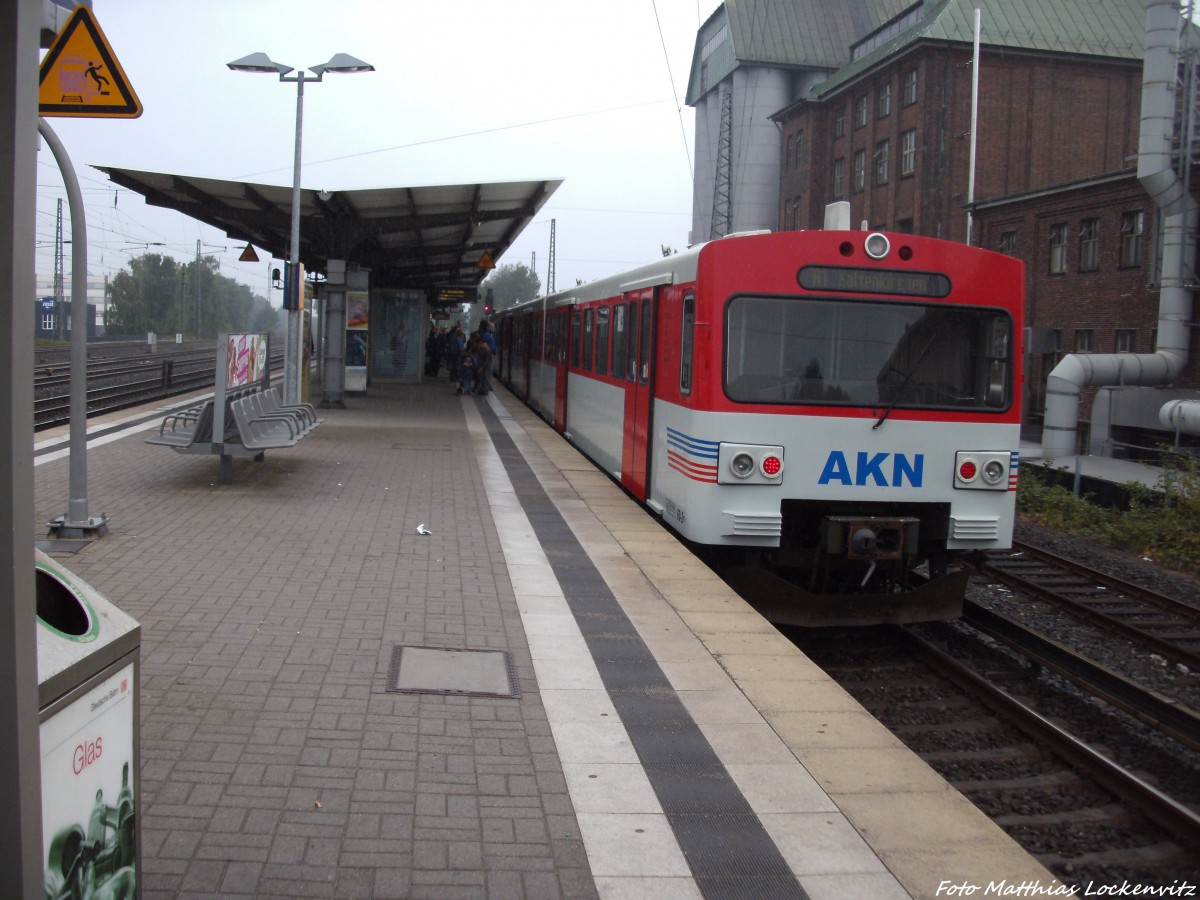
(877,245)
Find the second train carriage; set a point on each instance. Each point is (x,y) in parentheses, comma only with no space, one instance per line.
(836,411)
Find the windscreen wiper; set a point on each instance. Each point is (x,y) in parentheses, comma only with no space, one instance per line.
(907,378)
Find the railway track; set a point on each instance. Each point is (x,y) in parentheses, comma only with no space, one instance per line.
(116,383)
(1063,704)
(1097,796)
(1161,624)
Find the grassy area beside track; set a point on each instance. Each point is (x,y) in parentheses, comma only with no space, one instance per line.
(1162,525)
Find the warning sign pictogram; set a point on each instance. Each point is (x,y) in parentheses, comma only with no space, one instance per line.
(80,75)
(485,261)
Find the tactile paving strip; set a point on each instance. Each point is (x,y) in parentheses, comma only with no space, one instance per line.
(726,846)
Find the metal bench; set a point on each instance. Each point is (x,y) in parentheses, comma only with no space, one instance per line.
(186,429)
(258,430)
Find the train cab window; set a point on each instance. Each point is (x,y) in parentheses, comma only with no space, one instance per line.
(587,340)
(631,358)
(602,340)
(647,321)
(686,344)
(874,354)
(619,335)
(576,319)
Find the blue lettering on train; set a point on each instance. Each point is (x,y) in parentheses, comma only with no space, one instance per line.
(873,468)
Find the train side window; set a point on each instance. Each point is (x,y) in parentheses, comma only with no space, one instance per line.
(647,321)
(631,349)
(618,340)
(576,318)
(602,340)
(685,349)
(587,340)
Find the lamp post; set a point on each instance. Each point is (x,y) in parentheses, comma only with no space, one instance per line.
(260,62)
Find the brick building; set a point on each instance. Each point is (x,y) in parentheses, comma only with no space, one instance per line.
(1058,120)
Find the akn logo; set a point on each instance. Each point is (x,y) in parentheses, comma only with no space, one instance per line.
(875,469)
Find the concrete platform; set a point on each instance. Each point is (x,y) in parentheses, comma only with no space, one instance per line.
(276,761)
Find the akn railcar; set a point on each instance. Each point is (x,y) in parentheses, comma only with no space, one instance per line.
(836,412)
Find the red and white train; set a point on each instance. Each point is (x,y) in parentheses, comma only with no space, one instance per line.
(837,411)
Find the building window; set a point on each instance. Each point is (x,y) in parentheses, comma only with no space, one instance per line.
(1084,340)
(797,150)
(1089,245)
(47,321)
(860,111)
(839,178)
(910,87)
(881,162)
(860,169)
(885,100)
(839,122)
(1126,340)
(1008,243)
(908,152)
(1131,238)
(1058,249)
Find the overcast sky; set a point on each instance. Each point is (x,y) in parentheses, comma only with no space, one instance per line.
(464,91)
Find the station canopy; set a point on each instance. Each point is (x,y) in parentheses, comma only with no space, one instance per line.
(422,238)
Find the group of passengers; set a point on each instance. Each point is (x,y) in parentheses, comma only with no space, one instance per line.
(468,357)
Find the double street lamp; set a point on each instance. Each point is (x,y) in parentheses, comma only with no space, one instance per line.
(260,62)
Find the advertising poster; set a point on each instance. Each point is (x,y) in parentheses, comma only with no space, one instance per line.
(88,833)
(247,358)
(358,309)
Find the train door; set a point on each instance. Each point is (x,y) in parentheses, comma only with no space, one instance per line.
(635,447)
(557,349)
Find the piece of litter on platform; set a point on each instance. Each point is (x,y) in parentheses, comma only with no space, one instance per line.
(421,529)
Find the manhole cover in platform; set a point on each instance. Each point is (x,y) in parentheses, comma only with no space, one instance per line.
(441,670)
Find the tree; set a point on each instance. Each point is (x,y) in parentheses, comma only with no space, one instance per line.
(159,294)
(511,284)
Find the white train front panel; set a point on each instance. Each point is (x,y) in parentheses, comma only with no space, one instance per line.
(704,491)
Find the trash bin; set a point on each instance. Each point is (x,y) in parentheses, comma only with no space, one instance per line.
(87,652)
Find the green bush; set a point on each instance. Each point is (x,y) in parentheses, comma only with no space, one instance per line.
(1162,524)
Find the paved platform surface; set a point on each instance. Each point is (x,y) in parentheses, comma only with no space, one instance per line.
(276,762)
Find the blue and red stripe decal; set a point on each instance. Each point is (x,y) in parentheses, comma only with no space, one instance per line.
(694,458)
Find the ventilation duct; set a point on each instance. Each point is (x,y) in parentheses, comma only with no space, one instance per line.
(1164,23)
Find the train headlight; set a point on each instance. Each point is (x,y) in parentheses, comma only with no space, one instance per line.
(742,465)
(749,464)
(877,245)
(993,471)
(982,470)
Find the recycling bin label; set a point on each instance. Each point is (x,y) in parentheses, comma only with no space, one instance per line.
(88,834)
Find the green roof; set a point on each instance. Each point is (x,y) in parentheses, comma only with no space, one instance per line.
(801,34)
(819,34)
(1113,29)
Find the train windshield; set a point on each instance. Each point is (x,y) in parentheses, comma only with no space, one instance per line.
(812,350)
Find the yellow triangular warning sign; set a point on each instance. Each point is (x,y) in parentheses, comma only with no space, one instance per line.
(485,261)
(80,75)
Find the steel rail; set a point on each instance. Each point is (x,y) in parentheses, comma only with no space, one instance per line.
(1164,647)
(1180,821)
(1178,721)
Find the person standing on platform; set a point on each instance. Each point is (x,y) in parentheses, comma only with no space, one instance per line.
(457,344)
(483,363)
(488,338)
